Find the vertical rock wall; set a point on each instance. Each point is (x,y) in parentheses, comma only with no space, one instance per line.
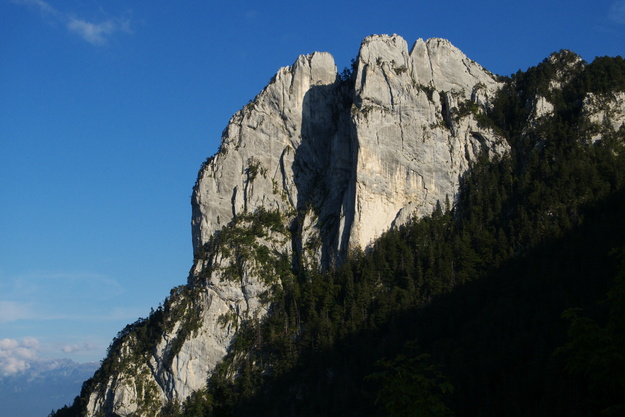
(339,162)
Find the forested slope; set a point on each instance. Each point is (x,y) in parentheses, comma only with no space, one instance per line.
(504,302)
(471,297)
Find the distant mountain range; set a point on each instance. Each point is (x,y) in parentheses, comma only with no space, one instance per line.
(45,386)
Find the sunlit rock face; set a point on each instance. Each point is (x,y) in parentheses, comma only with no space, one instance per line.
(366,156)
(338,161)
(603,114)
(412,140)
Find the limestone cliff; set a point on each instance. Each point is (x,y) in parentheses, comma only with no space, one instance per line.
(364,156)
(315,165)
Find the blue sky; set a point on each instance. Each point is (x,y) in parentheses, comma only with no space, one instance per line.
(108,108)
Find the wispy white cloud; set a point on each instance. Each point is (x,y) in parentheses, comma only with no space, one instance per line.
(617,12)
(78,347)
(18,356)
(11,311)
(66,285)
(42,5)
(45,296)
(96,33)
(28,354)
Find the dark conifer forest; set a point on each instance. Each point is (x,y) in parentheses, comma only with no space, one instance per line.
(507,301)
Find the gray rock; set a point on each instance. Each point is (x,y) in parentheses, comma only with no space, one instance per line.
(412,141)
(603,114)
(341,161)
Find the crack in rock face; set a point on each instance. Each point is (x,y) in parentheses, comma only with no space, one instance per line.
(325,164)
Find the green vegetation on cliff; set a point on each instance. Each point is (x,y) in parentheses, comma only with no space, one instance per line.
(480,287)
(505,302)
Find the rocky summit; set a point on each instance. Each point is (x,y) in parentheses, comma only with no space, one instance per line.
(317,165)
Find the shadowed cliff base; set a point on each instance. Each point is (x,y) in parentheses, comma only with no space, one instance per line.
(494,339)
(323,171)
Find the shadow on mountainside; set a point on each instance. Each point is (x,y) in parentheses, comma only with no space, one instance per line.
(324,171)
(493,338)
